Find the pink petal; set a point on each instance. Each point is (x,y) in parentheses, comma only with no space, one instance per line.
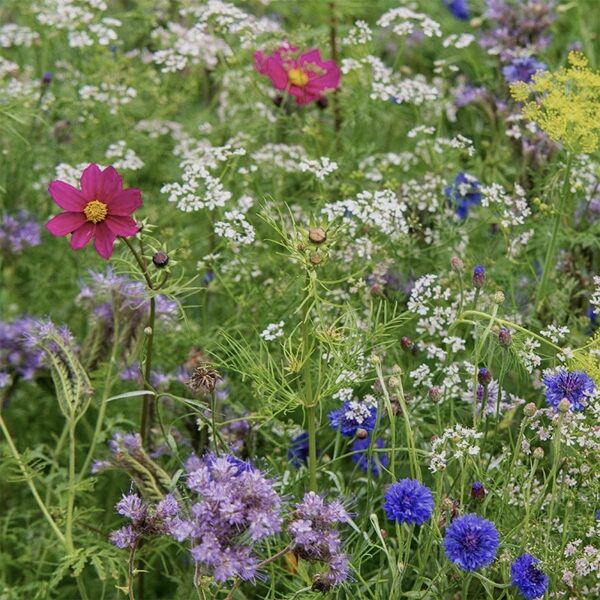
(330,80)
(112,183)
(278,74)
(313,56)
(65,223)
(260,62)
(82,235)
(91,182)
(125,202)
(121,225)
(66,196)
(105,239)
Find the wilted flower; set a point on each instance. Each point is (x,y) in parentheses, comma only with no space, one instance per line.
(303,75)
(102,209)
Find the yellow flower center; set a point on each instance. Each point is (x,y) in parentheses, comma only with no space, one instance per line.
(95,211)
(297,77)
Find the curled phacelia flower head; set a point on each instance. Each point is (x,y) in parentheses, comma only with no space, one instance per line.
(316,539)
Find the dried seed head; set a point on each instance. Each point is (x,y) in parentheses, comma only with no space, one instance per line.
(317,235)
(204,379)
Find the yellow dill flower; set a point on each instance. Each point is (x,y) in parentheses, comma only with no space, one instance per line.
(565,103)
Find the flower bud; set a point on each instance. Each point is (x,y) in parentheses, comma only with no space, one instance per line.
(47,77)
(317,235)
(538,453)
(564,406)
(361,434)
(478,276)
(394,381)
(434,393)
(499,297)
(396,370)
(484,376)
(160,259)
(457,264)
(530,409)
(315,259)
(478,491)
(505,336)
(406,342)
(322,103)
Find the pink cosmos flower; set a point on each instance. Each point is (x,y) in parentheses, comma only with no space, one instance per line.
(305,76)
(102,209)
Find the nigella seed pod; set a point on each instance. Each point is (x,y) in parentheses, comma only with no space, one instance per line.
(505,336)
(478,276)
(406,342)
(317,235)
(160,259)
(484,376)
(478,491)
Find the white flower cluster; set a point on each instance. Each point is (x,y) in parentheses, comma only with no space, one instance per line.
(527,354)
(155,128)
(70,174)
(425,290)
(122,157)
(458,41)
(319,168)
(202,153)
(234,227)
(199,190)
(12,34)
(284,156)
(455,443)
(272,331)
(514,210)
(360,410)
(375,165)
(81,19)
(404,21)
(360,33)
(381,210)
(555,333)
(111,94)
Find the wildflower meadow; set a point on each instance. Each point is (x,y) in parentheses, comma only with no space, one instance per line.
(299,299)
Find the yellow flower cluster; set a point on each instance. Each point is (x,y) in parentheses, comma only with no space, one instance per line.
(565,104)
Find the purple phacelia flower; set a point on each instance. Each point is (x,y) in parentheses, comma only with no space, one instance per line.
(18,233)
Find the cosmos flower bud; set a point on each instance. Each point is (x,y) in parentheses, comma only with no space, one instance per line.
(478,490)
(457,264)
(478,276)
(538,453)
(505,336)
(317,235)
(160,259)
(530,409)
(484,376)
(564,406)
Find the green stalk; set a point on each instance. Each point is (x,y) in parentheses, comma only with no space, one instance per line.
(562,204)
(27,477)
(72,484)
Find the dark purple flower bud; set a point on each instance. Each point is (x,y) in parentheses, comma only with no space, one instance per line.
(406,342)
(478,491)
(160,259)
(434,393)
(47,77)
(484,376)
(505,336)
(479,276)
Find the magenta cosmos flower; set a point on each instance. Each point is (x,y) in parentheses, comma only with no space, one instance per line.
(305,76)
(102,209)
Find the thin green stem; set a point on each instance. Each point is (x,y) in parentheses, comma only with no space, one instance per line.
(72,486)
(560,209)
(27,477)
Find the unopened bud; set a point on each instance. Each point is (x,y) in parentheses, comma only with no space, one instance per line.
(394,381)
(479,276)
(396,370)
(316,259)
(530,409)
(434,393)
(505,336)
(538,453)
(478,491)
(148,331)
(564,406)
(361,434)
(406,342)
(499,297)
(322,103)
(457,264)
(484,376)
(160,259)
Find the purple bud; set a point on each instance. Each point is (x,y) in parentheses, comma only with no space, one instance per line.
(478,491)
(479,276)
(484,376)
(47,77)
(505,336)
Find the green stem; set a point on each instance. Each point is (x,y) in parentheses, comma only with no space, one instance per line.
(27,477)
(146,420)
(72,484)
(560,209)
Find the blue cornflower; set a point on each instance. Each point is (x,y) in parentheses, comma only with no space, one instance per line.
(531,581)
(459,8)
(522,68)
(463,194)
(298,450)
(361,449)
(352,416)
(575,386)
(408,501)
(471,542)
